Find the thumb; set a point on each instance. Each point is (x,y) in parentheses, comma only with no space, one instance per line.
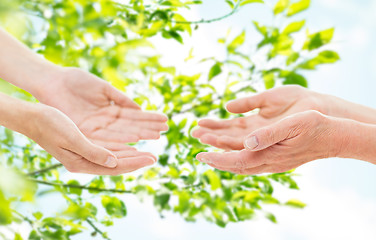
(95,153)
(268,136)
(247,104)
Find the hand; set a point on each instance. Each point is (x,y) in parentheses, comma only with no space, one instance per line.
(282,146)
(273,105)
(101,112)
(60,137)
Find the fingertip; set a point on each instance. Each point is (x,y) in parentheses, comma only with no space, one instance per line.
(111,161)
(149,161)
(194,133)
(202,122)
(200,156)
(229,106)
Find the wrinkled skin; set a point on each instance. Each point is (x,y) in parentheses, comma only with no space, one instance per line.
(273,105)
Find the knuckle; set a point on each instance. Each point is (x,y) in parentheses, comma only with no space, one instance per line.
(240,164)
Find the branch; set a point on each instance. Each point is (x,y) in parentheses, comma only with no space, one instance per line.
(80,187)
(96,229)
(43,170)
(236,8)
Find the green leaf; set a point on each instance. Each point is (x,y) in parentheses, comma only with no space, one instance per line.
(5,211)
(237,42)
(324,57)
(215,70)
(295,203)
(271,217)
(73,190)
(114,207)
(162,200)
(244,2)
(269,80)
(280,6)
(292,58)
(293,27)
(293,78)
(17,237)
(230,3)
(319,39)
(298,7)
(214,179)
(261,29)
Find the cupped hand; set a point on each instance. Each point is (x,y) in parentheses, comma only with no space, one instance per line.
(273,105)
(60,137)
(100,111)
(281,146)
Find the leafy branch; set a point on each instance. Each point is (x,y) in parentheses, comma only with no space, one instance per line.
(203,21)
(97,230)
(111,190)
(44,170)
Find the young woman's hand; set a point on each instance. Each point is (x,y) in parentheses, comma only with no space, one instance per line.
(100,111)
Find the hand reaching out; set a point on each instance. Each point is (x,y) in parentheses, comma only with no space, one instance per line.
(101,112)
(282,146)
(273,105)
(60,137)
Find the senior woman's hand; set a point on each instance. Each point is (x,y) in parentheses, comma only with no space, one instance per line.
(273,105)
(296,140)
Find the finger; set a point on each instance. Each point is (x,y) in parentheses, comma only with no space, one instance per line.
(112,146)
(237,159)
(253,171)
(127,154)
(125,165)
(233,143)
(199,132)
(141,115)
(114,136)
(93,153)
(120,98)
(247,104)
(151,125)
(213,124)
(272,134)
(211,139)
(265,168)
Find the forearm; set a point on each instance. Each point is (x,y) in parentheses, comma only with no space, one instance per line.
(337,107)
(16,114)
(353,139)
(20,66)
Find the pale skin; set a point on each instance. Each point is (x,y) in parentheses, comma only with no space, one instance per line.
(293,126)
(81,116)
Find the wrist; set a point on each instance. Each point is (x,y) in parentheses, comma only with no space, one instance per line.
(352,139)
(17,115)
(42,75)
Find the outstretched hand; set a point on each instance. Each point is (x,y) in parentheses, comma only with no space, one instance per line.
(60,137)
(273,105)
(281,146)
(102,113)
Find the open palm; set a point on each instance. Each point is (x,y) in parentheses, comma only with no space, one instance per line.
(102,113)
(273,105)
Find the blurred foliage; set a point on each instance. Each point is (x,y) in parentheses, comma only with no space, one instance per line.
(115,40)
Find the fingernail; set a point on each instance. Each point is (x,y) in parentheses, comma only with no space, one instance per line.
(205,160)
(251,142)
(149,161)
(111,162)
